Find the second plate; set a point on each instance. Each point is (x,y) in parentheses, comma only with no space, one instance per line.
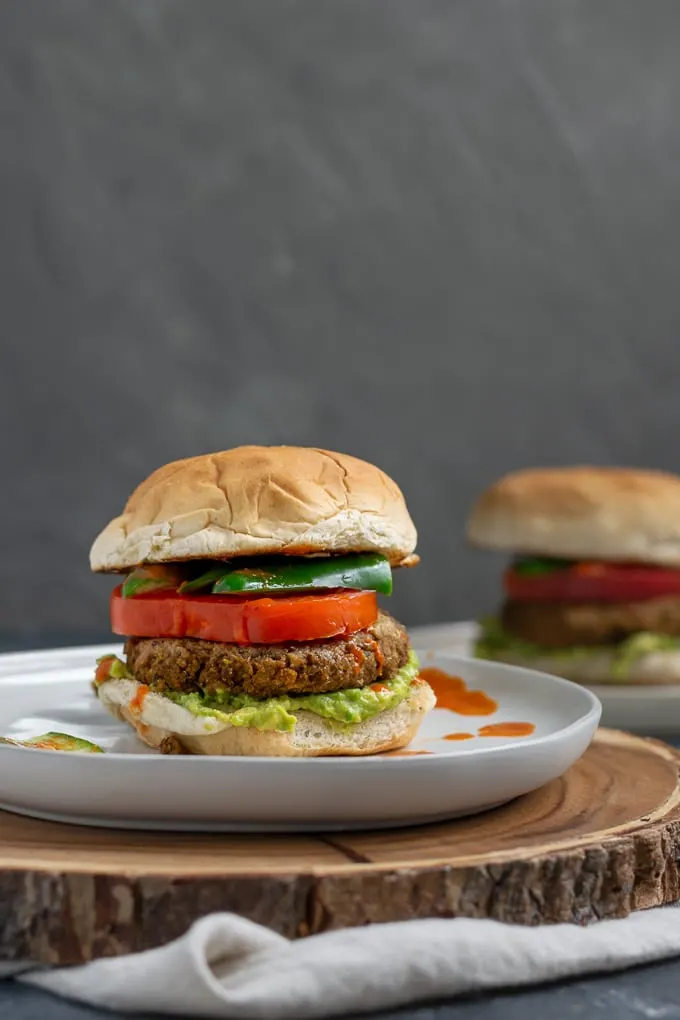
(649,710)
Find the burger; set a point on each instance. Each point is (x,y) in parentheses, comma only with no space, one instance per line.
(249,607)
(593,590)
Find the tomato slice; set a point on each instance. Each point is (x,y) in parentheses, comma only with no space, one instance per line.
(243,620)
(594,582)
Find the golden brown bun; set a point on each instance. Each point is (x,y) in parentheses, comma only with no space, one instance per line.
(259,499)
(582,513)
(313,736)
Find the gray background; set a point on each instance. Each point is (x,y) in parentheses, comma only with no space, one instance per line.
(440,235)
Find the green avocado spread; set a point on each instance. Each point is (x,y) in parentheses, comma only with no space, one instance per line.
(494,642)
(355,705)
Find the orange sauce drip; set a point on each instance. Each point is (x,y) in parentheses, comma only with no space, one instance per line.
(507,729)
(359,658)
(137,700)
(403,754)
(459,736)
(379,687)
(452,692)
(379,657)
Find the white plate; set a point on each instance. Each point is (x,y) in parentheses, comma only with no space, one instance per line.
(132,786)
(650,710)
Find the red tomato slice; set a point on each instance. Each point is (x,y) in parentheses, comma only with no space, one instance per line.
(594,582)
(238,619)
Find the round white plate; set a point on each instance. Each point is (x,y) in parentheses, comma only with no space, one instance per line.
(650,710)
(132,786)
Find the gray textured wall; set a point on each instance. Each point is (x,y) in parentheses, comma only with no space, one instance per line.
(441,235)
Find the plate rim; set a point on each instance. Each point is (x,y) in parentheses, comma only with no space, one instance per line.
(356,761)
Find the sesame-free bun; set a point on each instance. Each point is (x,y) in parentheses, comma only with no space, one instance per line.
(313,736)
(259,499)
(582,513)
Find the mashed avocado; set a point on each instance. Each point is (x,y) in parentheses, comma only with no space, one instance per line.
(354,705)
(496,643)
(347,707)
(638,645)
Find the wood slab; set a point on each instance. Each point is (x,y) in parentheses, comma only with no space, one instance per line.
(600,842)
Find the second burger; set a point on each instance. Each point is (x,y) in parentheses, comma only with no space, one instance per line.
(593,591)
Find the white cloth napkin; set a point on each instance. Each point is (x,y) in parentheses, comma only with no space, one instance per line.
(226,966)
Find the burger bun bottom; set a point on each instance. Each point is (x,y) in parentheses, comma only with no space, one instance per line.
(313,736)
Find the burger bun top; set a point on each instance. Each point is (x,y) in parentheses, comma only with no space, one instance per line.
(252,500)
(582,513)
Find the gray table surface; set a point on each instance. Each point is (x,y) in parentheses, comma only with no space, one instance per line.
(651,992)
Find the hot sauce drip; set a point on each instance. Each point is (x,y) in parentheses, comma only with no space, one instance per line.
(403,754)
(137,700)
(507,729)
(501,729)
(452,692)
(379,657)
(358,656)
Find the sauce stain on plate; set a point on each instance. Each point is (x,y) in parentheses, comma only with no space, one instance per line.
(403,754)
(453,693)
(501,729)
(507,729)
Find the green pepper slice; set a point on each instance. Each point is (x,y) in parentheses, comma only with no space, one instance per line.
(536,566)
(364,572)
(203,581)
(152,578)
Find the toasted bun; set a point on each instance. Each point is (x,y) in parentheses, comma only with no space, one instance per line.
(313,736)
(582,513)
(259,499)
(596,668)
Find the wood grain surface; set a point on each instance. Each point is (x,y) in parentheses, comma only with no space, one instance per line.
(600,842)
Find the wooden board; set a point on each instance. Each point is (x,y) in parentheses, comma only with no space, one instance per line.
(600,842)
